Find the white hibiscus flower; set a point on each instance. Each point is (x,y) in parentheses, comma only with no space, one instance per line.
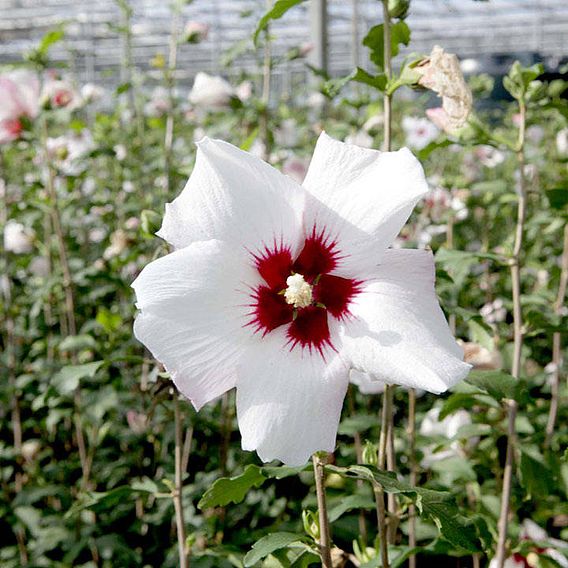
(222,311)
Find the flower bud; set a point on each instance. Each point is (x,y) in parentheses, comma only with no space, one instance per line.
(370,454)
(398,8)
(311,524)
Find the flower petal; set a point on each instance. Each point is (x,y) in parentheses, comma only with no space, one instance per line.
(289,401)
(235,197)
(399,334)
(193,314)
(361,198)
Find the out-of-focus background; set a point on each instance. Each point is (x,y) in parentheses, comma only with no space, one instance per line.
(489,35)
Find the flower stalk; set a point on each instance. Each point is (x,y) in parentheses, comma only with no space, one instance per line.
(170,86)
(178,487)
(518,331)
(324,532)
(266,75)
(411,432)
(557,345)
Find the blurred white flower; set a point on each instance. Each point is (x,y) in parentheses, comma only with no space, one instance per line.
(90,92)
(210,92)
(286,135)
(489,156)
(535,134)
(535,533)
(296,168)
(118,243)
(419,131)
(426,235)
(360,138)
(66,151)
(19,100)
(493,312)
(39,266)
(128,186)
(244,90)
(195,32)
(137,421)
(120,152)
(17,238)
(97,235)
(562,141)
(159,103)
(132,223)
(448,427)
(316,100)
(30,449)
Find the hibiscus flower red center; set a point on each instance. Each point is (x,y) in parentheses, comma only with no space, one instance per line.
(301,293)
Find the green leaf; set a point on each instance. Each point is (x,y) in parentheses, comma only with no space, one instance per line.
(276,12)
(378,82)
(103,500)
(108,320)
(557,197)
(458,263)
(439,506)
(232,489)
(67,379)
(497,384)
(536,476)
(269,544)
(374,40)
(349,503)
(77,343)
(479,333)
(49,39)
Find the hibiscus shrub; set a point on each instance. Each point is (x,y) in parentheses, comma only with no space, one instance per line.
(311,284)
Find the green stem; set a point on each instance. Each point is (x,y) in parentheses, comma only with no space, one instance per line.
(177,493)
(325,539)
(518,331)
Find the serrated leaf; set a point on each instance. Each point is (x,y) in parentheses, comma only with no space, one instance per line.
(439,506)
(67,379)
(378,82)
(269,544)
(374,40)
(232,489)
(277,11)
(497,384)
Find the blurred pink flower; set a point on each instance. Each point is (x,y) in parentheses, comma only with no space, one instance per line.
(19,99)
(196,32)
(60,93)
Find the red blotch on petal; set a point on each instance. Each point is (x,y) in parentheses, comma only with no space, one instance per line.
(270,310)
(319,256)
(274,266)
(336,293)
(310,329)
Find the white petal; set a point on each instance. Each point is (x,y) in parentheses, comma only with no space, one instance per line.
(288,402)
(399,333)
(362,198)
(366,383)
(193,311)
(237,198)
